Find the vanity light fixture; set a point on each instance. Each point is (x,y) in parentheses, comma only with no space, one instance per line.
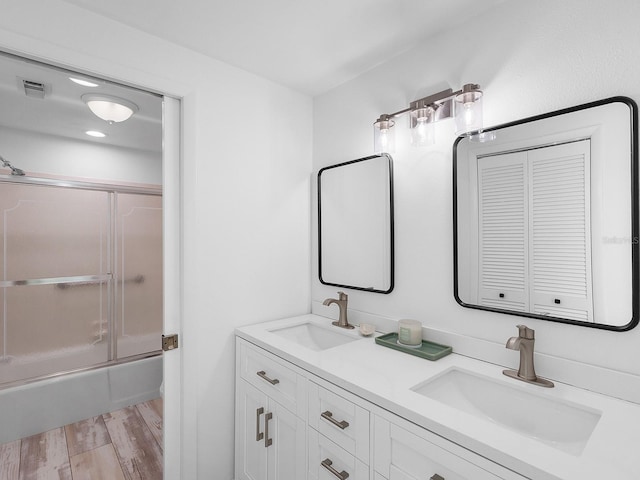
(465,104)
(109,108)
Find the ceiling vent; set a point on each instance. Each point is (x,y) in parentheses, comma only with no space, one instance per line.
(34,89)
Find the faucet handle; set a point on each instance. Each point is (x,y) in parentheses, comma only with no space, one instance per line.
(342,296)
(526,332)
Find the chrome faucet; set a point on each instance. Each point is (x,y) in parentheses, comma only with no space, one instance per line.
(524,342)
(341,301)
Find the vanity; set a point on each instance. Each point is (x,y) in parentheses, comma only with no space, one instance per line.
(314,401)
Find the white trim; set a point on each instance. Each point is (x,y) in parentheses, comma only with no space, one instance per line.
(172,278)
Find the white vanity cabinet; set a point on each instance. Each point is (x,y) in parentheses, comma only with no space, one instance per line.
(270,417)
(295,425)
(338,435)
(403,451)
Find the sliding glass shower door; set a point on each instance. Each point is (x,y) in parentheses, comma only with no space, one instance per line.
(81,278)
(139,274)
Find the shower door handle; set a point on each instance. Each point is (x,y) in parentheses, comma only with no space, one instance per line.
(60,282)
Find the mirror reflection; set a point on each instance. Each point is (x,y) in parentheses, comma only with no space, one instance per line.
(355,224)
(546,217)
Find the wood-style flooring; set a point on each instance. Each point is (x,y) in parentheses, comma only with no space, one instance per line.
(121,445)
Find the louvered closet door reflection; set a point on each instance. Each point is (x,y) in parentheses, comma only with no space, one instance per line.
(559,216)
(503,232)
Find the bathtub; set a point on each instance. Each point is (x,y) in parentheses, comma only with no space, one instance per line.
(53,402)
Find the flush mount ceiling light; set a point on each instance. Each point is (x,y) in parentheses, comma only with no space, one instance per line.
(465,104)
(108,108)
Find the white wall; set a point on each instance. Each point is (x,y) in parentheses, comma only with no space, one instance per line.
(530,58)
(38,154)
(245,197)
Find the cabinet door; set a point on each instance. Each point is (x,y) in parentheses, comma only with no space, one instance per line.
(273,376)
(340,420)
(503,232)
(560,226)
(534,232)
(287,436)
(403,455)
(251,454)
(328,461)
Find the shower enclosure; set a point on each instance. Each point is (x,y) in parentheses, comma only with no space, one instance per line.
(81,284)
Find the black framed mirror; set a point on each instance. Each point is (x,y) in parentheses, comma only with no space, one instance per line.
(355,224)
(546,217)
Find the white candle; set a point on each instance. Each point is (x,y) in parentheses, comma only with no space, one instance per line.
(410,332)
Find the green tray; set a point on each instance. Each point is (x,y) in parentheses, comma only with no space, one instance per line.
(428,350)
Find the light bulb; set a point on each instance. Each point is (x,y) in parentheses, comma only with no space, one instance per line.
(421,127)
(383,136)
(422,134)
(468,116)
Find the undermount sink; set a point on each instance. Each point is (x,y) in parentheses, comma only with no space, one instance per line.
(315,337)
(558,423)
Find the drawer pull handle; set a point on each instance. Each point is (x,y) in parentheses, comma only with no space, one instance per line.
(329,417)
(267,441)
(326,463)
(272,381)
(259,434)
(436,477)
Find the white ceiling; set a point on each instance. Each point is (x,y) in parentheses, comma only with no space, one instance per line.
(63,113)
(310,46)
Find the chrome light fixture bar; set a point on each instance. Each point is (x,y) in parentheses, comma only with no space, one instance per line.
(465,104)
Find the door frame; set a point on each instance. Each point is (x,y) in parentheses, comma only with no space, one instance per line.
(172,281)
(178,464)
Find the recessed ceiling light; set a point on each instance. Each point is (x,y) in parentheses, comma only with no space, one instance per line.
(84,83)
(95,133)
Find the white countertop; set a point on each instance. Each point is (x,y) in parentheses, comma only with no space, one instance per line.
(384,376)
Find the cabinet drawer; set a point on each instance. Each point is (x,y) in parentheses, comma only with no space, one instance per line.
(340,420)
(327,461)
(272,376)
(402,455)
